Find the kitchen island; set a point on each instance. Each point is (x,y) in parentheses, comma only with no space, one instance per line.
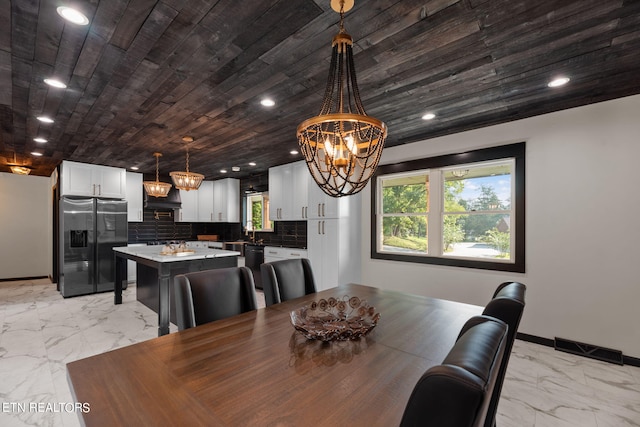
(155,273)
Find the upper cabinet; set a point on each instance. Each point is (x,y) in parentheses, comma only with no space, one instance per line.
(288,192)
(323,206)
(299,197)
(226,200)
(188,211)
(280,187)
(81,179)
(205,202)
(214,201)
(134,197)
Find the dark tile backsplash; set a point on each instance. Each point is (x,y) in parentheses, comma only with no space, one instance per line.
(292,234)
(159,225)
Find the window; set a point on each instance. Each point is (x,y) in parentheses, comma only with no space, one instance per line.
(257,213)
(462,210)
(404,213)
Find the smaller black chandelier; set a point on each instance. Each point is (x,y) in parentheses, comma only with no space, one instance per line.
(342,145)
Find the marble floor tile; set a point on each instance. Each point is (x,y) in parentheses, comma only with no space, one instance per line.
(40,332)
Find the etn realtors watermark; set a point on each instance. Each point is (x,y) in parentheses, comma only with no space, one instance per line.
(55,407)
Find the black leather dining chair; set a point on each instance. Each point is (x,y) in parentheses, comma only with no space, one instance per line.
(507,305)
(286,279)
(209,295)
(457,392)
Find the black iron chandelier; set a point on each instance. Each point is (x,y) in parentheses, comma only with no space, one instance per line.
(342,145)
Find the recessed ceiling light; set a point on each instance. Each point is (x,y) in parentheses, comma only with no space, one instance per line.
(72,15)
(268,102)
(40,140)
(35,153)
(293,152)
(45,119)
(235,168)
(429,116)
(134,168)
(223,171)
(252,163)
(560,81)
(55,83)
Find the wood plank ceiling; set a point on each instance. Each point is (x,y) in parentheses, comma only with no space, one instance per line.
(144,73)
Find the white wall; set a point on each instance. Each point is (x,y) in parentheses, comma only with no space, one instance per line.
(583,232)
(25,226)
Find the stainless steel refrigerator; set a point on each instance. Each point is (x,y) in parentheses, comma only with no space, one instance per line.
(89,228)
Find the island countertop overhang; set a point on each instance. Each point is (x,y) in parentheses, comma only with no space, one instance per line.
(152,253)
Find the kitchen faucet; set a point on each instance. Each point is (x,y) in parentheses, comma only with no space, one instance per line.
(252,230)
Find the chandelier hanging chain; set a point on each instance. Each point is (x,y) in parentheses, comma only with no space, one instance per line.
(328,93)
(187,158)
(157,166)
(354,84)
(340,99)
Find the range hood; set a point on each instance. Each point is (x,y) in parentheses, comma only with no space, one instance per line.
(172,201)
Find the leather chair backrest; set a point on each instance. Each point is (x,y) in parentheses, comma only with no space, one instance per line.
(287,279)
(507,305)
(457,392)
(209,295)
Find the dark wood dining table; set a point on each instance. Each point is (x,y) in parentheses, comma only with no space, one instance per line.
(254,369)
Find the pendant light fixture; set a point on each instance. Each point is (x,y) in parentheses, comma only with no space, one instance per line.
(17,168)
(20,170)
(157,188)
(342,145)
(187,180)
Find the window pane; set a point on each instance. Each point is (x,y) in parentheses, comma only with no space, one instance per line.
(477,236)
(404,233)
(483,188)
(258,212)
(408,194)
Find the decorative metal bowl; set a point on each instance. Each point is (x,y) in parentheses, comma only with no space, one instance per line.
(333,319)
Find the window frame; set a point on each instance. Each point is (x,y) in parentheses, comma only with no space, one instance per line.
(511,151)
(264,197)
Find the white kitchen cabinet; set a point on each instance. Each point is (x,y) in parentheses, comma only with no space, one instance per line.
(288,192)
(299,195)
(214,201)
(81,179)
(188,211)
(205,202)
(271,254)
(226,200)
(334,248)
(134,197)
(321,205)
(277,253)
(280,187)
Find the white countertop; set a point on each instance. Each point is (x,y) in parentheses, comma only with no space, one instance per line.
(153,253)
